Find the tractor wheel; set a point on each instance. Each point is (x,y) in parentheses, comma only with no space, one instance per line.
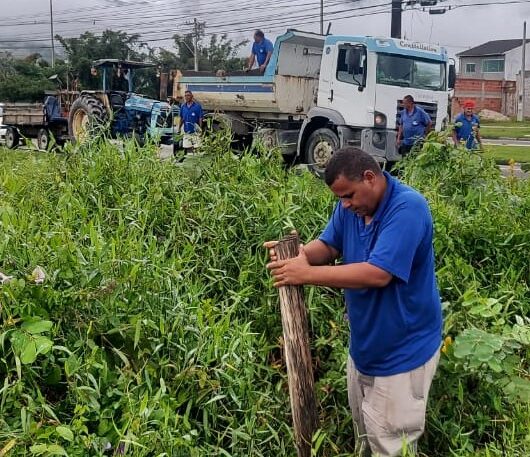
(43,139)
(12,138)
(87,112)
(319,148)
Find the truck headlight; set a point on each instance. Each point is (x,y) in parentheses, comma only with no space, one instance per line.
(379,119)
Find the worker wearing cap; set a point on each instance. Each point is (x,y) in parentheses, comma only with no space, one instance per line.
(467,125)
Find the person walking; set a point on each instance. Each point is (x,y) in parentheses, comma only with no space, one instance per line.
(467,127)
(191,118)
(382,231)
(414,124)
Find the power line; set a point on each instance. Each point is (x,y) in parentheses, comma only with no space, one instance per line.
(275,26)
(261,20)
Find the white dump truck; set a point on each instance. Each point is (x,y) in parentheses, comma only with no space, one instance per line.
(319,93)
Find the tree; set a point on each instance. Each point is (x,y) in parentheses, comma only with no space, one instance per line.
(82,51)
(219,53)
(25,80)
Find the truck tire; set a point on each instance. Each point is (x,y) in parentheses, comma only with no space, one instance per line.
(319,148)
(12,138)
(43,139)
(86,113)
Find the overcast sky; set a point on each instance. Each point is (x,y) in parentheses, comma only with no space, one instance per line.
(460,28)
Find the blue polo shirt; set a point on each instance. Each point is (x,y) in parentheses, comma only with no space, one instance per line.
(190,116)
(260,50)
(413,124)
(464,129)
(397,328)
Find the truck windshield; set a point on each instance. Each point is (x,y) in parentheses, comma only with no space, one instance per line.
(395,70)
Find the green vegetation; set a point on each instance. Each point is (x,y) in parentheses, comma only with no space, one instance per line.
(510,123)
(503,154)
(506,129)
(24,80)
(156,331)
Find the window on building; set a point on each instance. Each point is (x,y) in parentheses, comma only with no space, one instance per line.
(470,68)
(493,66)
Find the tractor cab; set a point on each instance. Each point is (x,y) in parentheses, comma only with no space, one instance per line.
(119,107)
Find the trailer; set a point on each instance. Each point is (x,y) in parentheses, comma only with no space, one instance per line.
(46,122)
(319,93)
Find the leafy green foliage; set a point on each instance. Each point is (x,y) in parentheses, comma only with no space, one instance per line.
(163,334)
(24,79)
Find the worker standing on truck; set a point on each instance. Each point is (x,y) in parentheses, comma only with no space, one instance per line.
(467,125)
(414,124)
(382,230)
(261,51)
(191,117)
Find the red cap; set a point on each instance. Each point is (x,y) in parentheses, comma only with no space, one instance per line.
(469,104)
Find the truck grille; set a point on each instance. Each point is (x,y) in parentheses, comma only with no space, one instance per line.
(430,108)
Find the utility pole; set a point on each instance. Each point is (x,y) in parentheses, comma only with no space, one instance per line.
(196,44)
(520,111)
(198,29)
(51,33)
(322,17)
(395,27)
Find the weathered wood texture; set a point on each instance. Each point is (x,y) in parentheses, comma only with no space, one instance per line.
(297,355)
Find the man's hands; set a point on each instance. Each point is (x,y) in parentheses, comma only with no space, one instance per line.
(288,272)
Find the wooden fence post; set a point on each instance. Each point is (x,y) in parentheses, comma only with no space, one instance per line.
(297,354)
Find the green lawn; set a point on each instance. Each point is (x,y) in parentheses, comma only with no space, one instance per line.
(503,154)
(506,129)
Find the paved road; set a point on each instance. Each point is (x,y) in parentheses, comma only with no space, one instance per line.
(506,142)
(517,172)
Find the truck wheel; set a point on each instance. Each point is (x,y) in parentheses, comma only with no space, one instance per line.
(86,113)
(43,139)
(319,148)
(12,138)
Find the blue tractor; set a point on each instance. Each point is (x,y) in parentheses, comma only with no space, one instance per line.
(118,107)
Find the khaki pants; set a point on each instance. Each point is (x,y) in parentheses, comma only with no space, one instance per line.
(389,411)
(191,140)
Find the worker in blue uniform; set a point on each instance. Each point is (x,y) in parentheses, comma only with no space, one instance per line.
(261,52)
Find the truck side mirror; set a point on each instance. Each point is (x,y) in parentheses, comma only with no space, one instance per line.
(452,76)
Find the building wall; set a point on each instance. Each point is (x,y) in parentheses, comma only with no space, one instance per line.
(513,62)
(479,62)
(526,94)
(494,95)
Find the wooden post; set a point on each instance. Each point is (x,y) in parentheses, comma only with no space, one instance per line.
(297,354)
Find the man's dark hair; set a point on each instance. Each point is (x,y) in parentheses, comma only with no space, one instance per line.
(410,98)
(259,34)
(188,92)
(350,162)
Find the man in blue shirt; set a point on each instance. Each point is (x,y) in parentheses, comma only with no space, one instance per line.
(467,126)
(190,122)
(383,232)
(414,124)
(261,51)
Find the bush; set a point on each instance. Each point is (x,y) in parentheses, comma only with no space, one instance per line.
(156,330)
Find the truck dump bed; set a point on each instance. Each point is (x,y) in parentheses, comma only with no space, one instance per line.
(23,114)
(289,85)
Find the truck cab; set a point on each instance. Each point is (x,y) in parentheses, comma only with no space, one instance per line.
(362,84)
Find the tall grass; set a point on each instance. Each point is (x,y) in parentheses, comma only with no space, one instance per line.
(165,328)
